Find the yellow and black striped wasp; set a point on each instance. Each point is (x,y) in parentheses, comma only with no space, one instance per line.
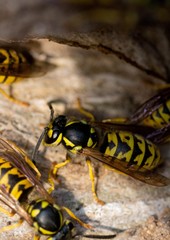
(16,63)
(122,147)
(18,177)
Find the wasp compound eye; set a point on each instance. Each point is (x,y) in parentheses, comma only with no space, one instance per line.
(55,130)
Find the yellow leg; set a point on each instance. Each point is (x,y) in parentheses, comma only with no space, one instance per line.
(14,100)
(76,218)
(84,111)
(10,214)
(53,173)
(11,227)
(36,237)
(91,174)
(115,120)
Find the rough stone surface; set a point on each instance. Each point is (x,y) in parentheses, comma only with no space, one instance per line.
(107,87)
(125,58)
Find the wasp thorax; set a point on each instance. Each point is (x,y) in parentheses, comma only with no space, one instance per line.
(47,217)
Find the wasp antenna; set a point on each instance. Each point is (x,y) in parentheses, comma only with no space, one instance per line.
(51,110)
(98,236)
(35,152)
(56,101)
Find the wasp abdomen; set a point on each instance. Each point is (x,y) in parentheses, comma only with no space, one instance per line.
(15,182)
(131,148)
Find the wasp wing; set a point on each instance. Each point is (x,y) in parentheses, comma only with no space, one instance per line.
(149,177)
(10,152)
(148,107)
(123,126)
(26,70)
(160,135)
(13,204)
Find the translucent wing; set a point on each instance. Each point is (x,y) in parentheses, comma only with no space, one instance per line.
(160,135)
(26,70)
(10,152)
(149,177)
(123,126)
(150,105)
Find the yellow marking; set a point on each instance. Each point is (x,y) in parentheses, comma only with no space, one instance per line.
(141,144)
(29,208)
(15,191)
(45,231)
(71,122)
(5,179)
(59,139)
(57,142)
(92,130)
(35,212)
(68,142)
(50,133)
(44,204)
(111,137)
(90,142)
(151,159)
(76,149)
(127,138)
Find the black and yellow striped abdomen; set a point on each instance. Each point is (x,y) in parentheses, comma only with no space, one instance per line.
(131,148)
(10,64)
(160,117)
(15,183)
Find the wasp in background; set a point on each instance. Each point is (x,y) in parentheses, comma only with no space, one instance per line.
(18,177)
(16,63)
(155,113)
(122,147)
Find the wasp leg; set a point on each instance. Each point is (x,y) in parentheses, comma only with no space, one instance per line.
(54,170)
(91,174)
(11,227)
(11,98)
(72,215)
(84,111)
(115,120)
(36,237)
(10,214)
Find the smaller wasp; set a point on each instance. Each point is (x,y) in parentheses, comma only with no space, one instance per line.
(16,63)
(18,177)
(121,147)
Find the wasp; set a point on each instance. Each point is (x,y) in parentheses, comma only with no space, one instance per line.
(121,147)
(18,177)
(16,63)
